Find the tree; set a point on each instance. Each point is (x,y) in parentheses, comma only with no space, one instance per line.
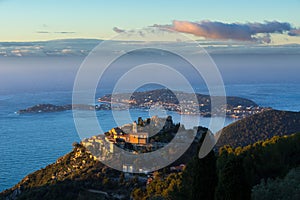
(140,121)
(122,178)
(200,177)
(137,194)
(287,188)
(232,184)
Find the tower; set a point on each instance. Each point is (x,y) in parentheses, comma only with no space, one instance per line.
(134,127)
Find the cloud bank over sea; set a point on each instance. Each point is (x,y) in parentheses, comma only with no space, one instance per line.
(82,47)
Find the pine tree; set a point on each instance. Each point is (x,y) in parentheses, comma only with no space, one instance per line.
(200,177)
(232,184)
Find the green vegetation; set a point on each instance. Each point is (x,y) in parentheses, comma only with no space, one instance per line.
(280,189)
(70,178)
(233,173)
(232,183)
(258,127)
(200,177)
(162,187)
(242,168)
(265,169)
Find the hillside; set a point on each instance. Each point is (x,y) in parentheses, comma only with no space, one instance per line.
(236,107)
(84,177)
(168,96)
(260,126)
(242,168)
(232,173)
(183,102)
(77,172)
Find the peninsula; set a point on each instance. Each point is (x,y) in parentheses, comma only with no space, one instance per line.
(235,107)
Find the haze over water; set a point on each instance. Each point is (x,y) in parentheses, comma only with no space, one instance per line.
(30,142)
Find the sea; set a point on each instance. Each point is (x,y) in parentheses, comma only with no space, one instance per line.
(32,141)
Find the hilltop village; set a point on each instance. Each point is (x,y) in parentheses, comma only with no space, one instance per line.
(139,137)
(240,149)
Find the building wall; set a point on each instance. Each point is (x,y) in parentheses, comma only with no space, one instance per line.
(141,138)
(134,138)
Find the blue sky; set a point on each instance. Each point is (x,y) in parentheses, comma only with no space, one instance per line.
(33,20)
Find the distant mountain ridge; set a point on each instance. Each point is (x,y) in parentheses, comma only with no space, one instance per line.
(62,47)
(83,46)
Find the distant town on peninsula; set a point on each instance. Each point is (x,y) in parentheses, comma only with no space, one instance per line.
(236,107)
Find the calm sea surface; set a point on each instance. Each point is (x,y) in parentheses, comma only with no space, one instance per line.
(30,142)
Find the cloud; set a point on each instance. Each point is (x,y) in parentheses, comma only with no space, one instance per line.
(118,30)
(57,32)
(259,32)
(64,32)
(295,32)
(269,27)
(43,32)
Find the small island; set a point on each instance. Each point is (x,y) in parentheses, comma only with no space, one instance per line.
(48,108)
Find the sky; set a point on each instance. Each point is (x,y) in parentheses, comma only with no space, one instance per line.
(36,20)
(221,25)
